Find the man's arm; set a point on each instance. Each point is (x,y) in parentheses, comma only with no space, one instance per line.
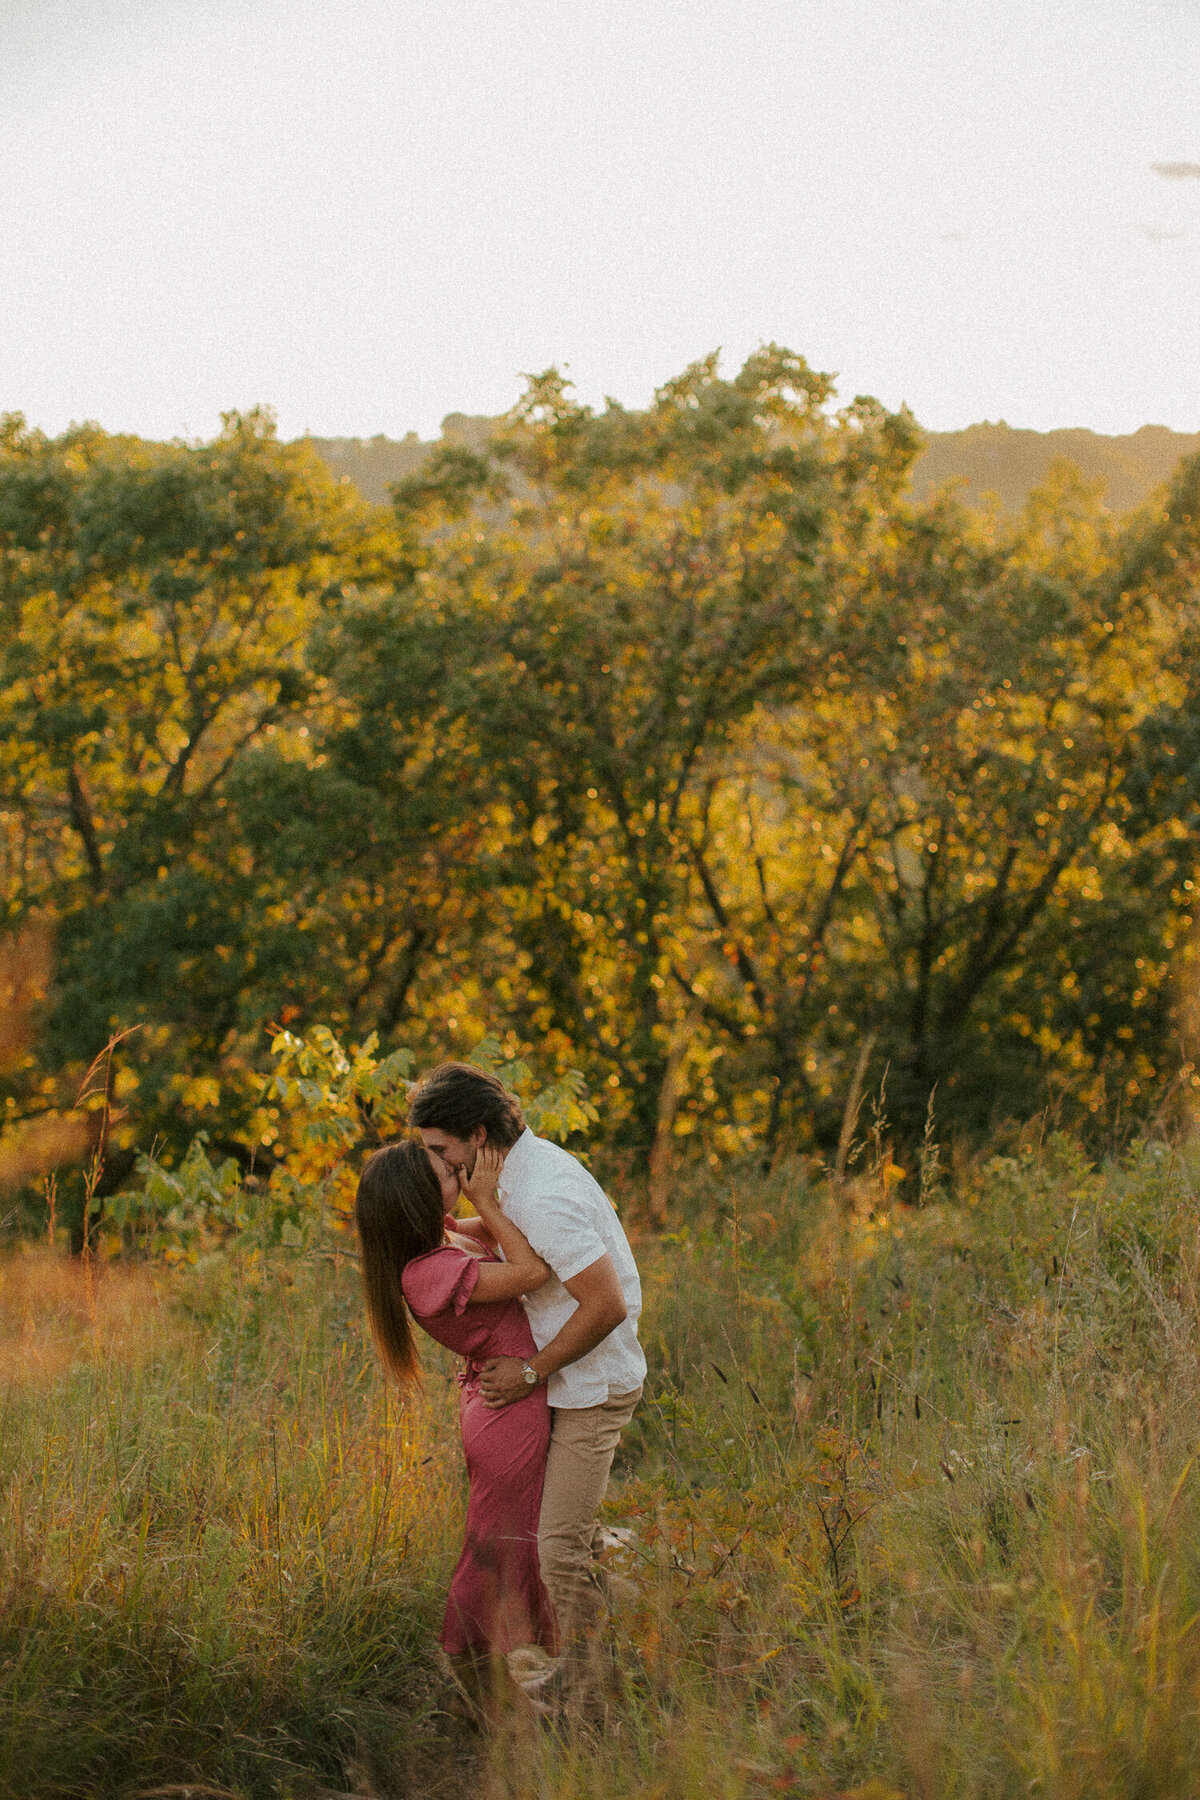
(600,1309)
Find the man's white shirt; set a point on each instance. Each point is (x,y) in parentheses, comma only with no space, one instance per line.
(571,1223)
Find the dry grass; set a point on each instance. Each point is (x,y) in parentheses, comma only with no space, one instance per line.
(56,1313)
(911,1509)
(222,1544)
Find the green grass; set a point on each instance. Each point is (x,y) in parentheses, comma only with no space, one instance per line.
(910,1509)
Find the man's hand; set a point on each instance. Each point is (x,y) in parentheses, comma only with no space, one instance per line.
(599,1309)
(502,1381)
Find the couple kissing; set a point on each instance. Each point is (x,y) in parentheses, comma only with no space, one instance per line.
(539,1293)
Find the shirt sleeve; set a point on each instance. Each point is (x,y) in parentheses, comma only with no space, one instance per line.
(563,1235)
(441,1282)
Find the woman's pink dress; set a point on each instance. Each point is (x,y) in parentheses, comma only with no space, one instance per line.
(496,1600)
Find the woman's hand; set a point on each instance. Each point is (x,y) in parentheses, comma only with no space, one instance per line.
(522,1270)
(480,1187)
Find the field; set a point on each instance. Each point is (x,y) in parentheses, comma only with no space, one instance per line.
(910,1510)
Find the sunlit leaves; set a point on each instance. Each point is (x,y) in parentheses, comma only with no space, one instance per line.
(675,744)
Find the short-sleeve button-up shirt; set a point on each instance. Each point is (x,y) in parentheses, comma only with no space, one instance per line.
(571,1223)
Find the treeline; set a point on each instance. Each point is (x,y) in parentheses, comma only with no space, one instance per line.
(996,461)
(680,746)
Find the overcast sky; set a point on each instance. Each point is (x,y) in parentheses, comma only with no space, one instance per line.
(368,213)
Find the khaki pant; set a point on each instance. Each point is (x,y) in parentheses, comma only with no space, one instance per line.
(583,1442)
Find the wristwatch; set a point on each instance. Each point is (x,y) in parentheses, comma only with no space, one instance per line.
(530,1373)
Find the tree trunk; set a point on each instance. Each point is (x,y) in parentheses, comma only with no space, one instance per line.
(81,818)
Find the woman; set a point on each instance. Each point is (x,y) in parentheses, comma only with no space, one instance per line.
(467,1299)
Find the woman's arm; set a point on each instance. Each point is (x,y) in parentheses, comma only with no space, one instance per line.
(600,1309)
(474,1228)
(522,1269)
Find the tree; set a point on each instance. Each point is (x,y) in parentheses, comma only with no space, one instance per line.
(939,854)
(613,595)
(679,747)
(157,603)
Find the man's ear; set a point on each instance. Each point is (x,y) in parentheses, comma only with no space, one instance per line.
(479,1136)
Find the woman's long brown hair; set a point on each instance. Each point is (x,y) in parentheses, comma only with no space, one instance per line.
(400,1214)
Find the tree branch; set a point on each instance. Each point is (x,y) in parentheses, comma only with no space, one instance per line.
(81,818)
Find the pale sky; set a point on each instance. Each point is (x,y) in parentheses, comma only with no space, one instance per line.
(369,213)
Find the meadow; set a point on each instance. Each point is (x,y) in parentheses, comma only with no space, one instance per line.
(910,1508)
(697,770)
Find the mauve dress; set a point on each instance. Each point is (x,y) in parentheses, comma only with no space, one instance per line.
(496,1601)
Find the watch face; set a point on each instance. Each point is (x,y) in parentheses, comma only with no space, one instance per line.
(531,1377)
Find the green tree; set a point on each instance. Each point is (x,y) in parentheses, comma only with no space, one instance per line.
(157,602)
(613,595)
(944,853)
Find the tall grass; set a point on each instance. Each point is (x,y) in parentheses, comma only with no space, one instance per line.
(910,1508)
(222,1541)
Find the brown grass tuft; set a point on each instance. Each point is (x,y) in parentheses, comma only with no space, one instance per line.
(55,1313)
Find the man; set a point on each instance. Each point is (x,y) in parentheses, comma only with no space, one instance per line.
(583,1320)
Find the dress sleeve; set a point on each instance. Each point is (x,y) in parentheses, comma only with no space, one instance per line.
(441,1282)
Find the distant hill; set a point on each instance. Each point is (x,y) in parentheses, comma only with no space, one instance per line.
(1009,462)
(375,464)
(998,459)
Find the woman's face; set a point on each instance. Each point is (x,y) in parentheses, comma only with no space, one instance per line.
(447,1179)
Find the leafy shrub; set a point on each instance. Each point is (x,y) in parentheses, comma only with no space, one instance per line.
(335,1105)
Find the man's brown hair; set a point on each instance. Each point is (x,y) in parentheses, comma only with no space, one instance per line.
(458,1098)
